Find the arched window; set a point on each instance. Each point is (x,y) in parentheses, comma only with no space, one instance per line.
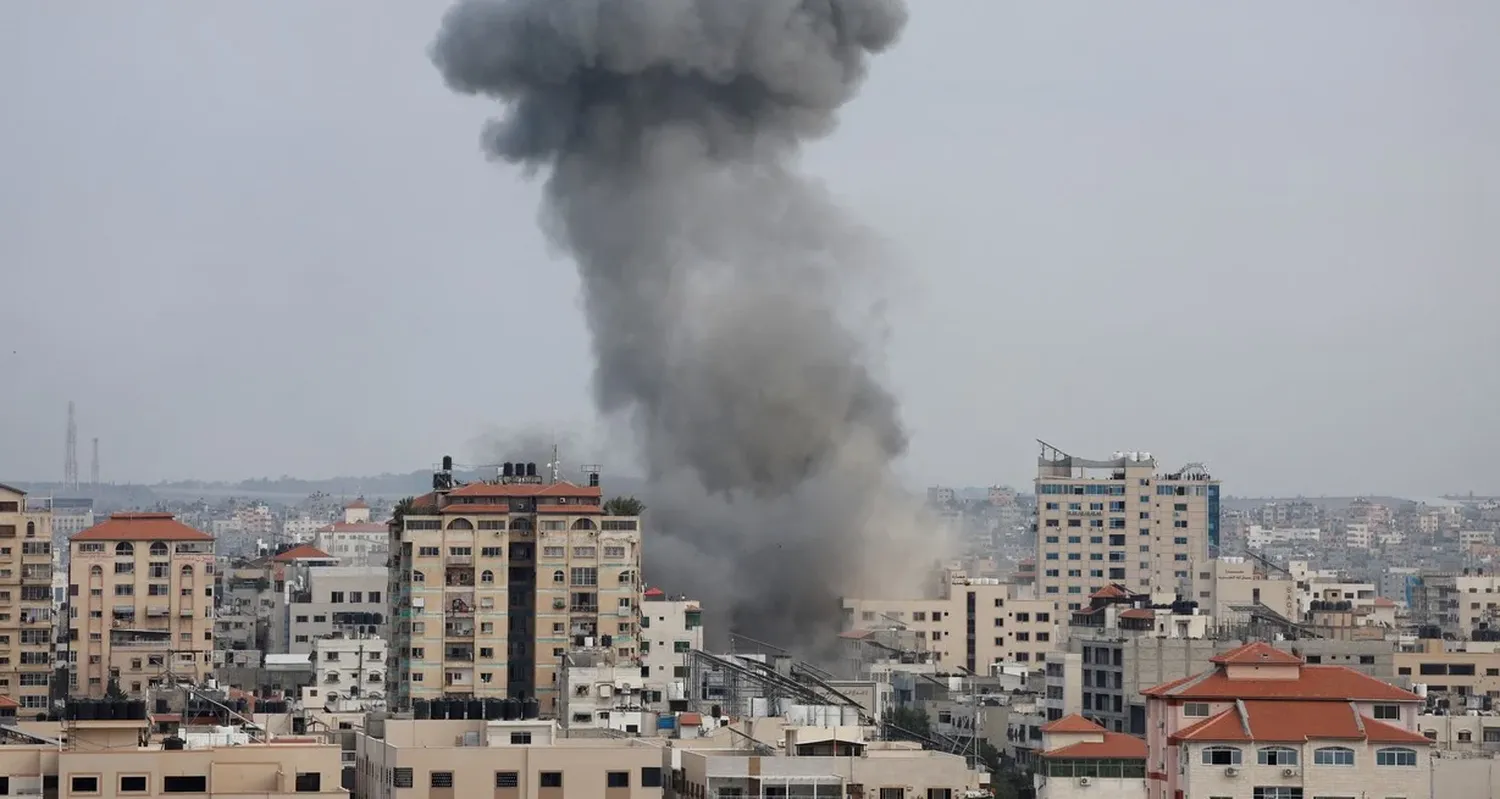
(1395,756)
(486,576)
(584,524)
(158,549)
(187,571)
(1221,756)
(1276,756)
(96,571)
(418,577)
(1333,756)
(124,548)
(1464,736)
(31,529)
(460,524)
(627,577)
(558,576)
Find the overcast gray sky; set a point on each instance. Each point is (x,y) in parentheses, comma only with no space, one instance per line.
(255,238)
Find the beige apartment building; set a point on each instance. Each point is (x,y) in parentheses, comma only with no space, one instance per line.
(27,617)
(106,758)
(524,759)
(140,589)
(493,582)
(971,625)
(1117,521)
(1457,667)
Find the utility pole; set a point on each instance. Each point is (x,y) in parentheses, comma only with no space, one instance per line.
(94,466)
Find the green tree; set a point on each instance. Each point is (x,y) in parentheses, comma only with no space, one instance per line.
(402,508)
(112,689)
(906,724)
(624,506)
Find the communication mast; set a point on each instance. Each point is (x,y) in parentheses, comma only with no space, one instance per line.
(94,466)
(70,466)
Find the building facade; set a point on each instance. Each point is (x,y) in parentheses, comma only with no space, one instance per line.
(1118,521)
(671,627)
(27,618)
(141,604)
(492,583)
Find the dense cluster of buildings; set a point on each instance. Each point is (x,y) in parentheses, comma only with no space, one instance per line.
(1123,629)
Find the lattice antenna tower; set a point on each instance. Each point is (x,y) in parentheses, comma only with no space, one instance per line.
(94,465)
(70,466)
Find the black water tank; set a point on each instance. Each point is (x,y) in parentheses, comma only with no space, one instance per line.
(172,744)
(447,463)
(87,710)
(476,710)
(456,709)
(531,470)
(137,709)
(117,708)
(492,709)
(508,470)
(420,709)
(531,708)
(439,708)
(510,709)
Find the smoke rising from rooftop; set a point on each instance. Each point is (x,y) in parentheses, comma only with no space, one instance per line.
(723,289)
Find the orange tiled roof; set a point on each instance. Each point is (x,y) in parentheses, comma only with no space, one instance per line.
(7,702)
(1257,653)
(1382,602)
(497,490)
(1314,683)
(1074,723)
(1115,746)
(1110,591)
(141,527)
(1294,722)
(304,552)
(1138,613)
(358,504)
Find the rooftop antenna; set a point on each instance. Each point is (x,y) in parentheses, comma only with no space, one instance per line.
(555,466)
(94,466)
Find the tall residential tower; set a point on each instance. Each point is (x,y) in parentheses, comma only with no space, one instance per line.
(26,608)
(1117,521)
(492,582)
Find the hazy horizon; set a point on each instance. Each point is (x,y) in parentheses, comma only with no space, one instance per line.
(262,239)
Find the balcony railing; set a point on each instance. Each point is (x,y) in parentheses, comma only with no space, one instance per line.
(577,608)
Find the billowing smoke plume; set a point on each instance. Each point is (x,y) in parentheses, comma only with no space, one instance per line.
(718,282)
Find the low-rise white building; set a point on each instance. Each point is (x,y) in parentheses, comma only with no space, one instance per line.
(602,691)
(348,673)
(671,626)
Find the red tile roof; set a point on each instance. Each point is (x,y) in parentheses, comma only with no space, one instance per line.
(1295,722)
(476,508)
(304,552)
(7,702)
(497,490)
(1138,613)
(1074,724)
(358,504)
(1110,591)
(1382,602)
(654,592)
(690,719)
(1115,746)
(1314,683)
(1257,653)
(141,527)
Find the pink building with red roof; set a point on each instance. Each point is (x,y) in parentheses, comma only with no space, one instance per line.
(1262,724)
(1082,759)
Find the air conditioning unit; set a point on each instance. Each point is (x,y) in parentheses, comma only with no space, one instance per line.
(1231,772)
(1084,781)
(1289,772)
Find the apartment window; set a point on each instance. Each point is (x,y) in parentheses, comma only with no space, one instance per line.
(1044,617)
(1396,756)
(356,596)
(85,785)
(507,779)
(1221,756)
(1333,756)
(1023,617)
(1195,709)
(133,784)
(1388,712)
(1276,756)
(939,793)
(309,781)
(617,779)
(650,777)
(185,784)
(1277,792)
(374,597)
(520,738)
(550,779)
(401,777)
(584,552)
(440,779)
(336,597)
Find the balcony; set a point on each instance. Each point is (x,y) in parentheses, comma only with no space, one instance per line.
(459,604)
(458,630)
(460,655)
(578,607)
(158,611)
(459,560)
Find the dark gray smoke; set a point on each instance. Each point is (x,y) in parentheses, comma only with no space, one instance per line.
(718,281)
